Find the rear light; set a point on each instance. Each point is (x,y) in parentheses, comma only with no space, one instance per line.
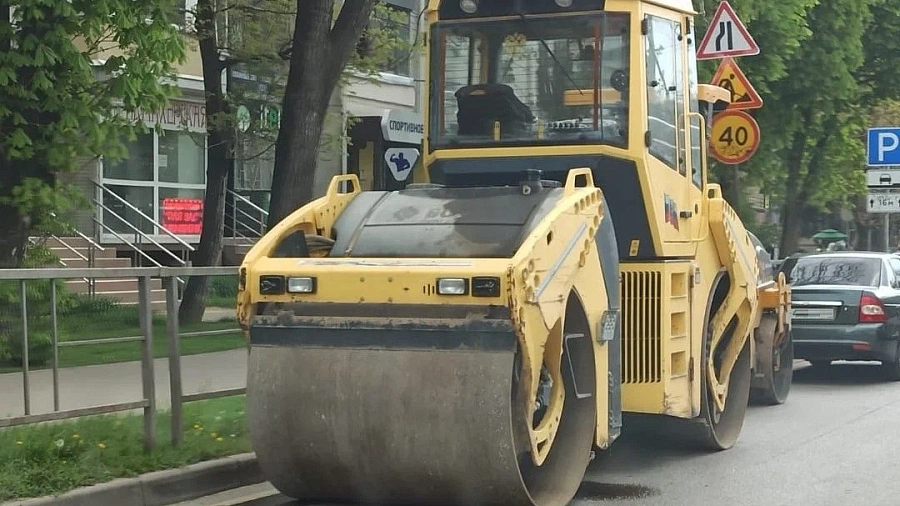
(871,310)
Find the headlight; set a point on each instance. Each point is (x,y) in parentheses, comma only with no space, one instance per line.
(453,286)
(301,285)
(468,6)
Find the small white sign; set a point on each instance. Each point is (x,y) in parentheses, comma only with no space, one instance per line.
(883,178)
(883,203)
(402,126)
(401,161)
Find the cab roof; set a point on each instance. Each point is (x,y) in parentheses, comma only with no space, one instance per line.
(685,6)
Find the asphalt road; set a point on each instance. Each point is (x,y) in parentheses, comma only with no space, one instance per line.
(835,442)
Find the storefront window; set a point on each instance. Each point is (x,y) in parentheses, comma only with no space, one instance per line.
(182,158)
(138,164)
(159,167)
(140,198)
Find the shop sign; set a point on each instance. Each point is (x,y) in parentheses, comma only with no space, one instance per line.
(178,114)
(402,126)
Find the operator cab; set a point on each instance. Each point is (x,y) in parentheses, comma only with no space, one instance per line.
(527,79)
(553,85)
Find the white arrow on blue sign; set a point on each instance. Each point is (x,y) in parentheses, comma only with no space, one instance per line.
(883,146)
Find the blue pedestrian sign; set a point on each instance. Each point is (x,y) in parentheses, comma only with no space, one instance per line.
(883,146)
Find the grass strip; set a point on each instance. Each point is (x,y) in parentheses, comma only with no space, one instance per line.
(50,459)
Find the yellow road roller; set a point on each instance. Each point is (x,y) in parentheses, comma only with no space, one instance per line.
(557,261)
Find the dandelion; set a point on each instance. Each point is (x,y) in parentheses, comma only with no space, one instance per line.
(233,436)
(214,434)
(219,439)
(101,445)
(60,443)
(19,443)
(76,436)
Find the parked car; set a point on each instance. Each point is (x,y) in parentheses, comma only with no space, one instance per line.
(846,306)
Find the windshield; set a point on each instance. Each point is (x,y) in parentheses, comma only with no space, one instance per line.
(835,271)
(525,82)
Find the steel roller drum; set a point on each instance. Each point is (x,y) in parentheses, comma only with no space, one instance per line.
(402,415)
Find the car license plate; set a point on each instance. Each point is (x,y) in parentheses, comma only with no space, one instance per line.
(810,313)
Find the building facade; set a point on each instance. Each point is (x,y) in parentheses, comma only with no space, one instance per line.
(153,198)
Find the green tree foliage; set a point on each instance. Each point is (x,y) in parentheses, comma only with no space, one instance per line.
(53,107)
(817,108)
(823,66)
(780,29)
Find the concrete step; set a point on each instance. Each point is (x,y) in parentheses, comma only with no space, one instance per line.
(104,286)
(101,263)
(75,242)
(131,297)
(63,252)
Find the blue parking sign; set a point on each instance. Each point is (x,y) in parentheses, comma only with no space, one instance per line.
(883,146)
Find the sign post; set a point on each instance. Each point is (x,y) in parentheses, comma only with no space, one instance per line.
(734,134)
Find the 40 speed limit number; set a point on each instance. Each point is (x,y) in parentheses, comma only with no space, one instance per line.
(734,137)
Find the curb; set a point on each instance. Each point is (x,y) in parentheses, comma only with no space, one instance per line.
(160,488)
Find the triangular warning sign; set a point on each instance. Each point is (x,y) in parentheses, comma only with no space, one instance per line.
(726,36)
(732,78)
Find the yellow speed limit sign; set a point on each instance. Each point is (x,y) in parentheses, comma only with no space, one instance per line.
(734,137)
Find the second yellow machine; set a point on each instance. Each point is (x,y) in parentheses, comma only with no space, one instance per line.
(560,260)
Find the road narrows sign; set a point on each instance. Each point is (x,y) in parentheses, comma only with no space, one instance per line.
(726,36)
(732,78)
(734,138)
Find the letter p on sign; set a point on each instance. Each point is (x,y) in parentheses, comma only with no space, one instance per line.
(884,146)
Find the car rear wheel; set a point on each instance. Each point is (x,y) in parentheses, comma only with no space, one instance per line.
(892,368)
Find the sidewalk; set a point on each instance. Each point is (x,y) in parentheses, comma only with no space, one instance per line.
(81,387)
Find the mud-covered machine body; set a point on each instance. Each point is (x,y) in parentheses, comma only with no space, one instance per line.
(559,261)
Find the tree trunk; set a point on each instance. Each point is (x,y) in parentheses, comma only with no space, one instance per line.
(13,233)
(319,55)
(13,237)
(802,188)
(220,164)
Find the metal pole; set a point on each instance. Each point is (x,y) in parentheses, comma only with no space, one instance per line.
(174,359)
(887,232)
(25,357)
(149,382)
(54,335)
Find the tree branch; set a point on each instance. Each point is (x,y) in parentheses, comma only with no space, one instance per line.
(350,23)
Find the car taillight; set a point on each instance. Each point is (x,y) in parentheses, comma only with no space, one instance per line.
(871,310)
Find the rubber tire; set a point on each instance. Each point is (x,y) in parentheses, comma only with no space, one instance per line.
(724,433)
(891,370)
(777,385)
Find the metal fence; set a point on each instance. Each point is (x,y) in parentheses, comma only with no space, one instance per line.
(147,402)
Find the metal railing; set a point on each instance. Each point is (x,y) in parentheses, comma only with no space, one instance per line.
(139,234)
(246,220)
(147,402)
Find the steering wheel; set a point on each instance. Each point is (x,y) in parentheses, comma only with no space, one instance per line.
(619,80)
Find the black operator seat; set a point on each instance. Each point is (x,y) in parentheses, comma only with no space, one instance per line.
(480,105)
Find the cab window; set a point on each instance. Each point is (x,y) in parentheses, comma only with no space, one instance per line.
(662,56)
